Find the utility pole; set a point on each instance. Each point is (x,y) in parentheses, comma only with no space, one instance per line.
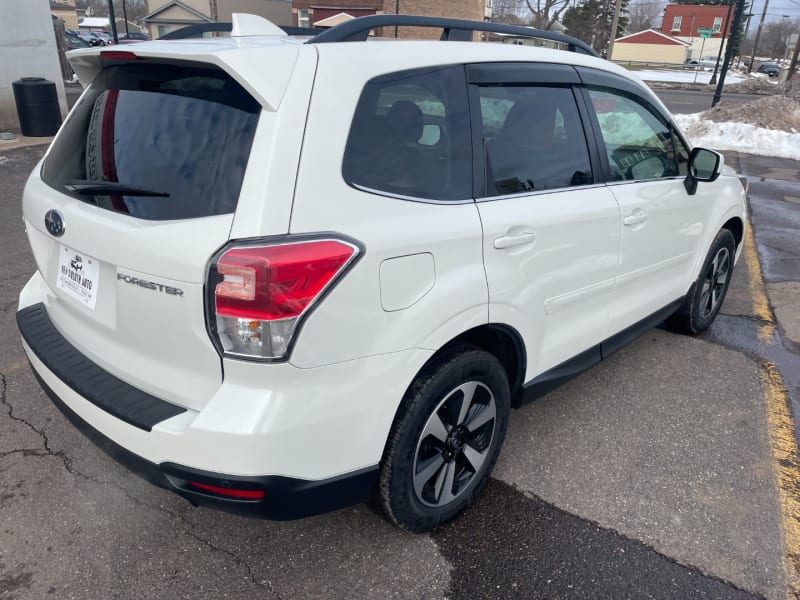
(614,24)
(758,35)
(125,17)
(113,20)
(744,36)
(722,43)
(793,64)
(737,19)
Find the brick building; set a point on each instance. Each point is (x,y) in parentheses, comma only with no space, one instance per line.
(683,21)
(325,13)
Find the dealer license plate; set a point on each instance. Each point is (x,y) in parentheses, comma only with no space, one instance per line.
(78,276)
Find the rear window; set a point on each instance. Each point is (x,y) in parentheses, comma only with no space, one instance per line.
(156,141)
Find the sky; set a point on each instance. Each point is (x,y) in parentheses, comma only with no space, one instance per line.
(775,10)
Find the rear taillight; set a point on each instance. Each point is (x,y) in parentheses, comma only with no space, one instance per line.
(259,293)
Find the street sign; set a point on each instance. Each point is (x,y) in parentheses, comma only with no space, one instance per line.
(706,33)
(705,36)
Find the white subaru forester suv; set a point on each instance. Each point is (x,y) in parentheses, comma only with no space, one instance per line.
(280,275)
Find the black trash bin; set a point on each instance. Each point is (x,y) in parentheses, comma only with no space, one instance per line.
(37,106)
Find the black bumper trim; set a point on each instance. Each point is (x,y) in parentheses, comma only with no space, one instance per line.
(98,386)
(285,498)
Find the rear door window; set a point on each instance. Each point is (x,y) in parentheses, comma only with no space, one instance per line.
(157,141)
(410,136)
(533,139)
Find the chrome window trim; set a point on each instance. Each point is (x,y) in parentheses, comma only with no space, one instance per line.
(629,181)
(541,192)
(369,190)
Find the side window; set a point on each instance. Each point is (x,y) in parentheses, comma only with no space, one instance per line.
(410,136)
(533,138)
(681,154)
(638,143)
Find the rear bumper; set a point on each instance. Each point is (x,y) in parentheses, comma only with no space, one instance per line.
(271,496)
(284,498)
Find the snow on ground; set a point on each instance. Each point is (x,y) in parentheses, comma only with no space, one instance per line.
(685,76)
(741,137)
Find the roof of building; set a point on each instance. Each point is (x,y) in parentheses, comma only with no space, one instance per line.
(94,22)
(61,5)
(651,36)
(154,14)
(334,20)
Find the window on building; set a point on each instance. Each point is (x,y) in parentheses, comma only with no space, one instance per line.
(676,23)
(717,24)
(302,17)
(163,30)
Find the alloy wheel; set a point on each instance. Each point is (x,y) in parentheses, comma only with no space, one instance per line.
(454,444)
(714,282)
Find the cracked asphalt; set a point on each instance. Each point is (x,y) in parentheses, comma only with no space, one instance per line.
(650,476)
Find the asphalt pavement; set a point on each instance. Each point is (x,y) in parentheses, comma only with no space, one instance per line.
(653,475)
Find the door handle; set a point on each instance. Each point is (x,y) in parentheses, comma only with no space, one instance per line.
(519,239)
(635,218)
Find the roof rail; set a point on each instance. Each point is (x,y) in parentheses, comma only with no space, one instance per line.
(197,31)
(358,30)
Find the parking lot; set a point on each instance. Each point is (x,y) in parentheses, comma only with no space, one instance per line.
(651,475)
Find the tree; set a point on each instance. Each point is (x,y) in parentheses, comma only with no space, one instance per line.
(135,9)
(542,14)
(775,37)
(591,20)
(643,14)
(546,12)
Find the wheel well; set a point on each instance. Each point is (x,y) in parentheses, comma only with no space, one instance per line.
(505,343)
(736,227)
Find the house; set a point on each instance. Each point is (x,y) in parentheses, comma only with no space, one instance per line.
(65,10)
(650,46)
(684,21)
(326,13)
(167,15)
(104,24)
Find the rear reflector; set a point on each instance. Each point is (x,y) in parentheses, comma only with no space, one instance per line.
(230,493)
(118,55)
(263,291)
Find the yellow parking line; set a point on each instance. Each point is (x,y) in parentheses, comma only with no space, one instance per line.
(780,424)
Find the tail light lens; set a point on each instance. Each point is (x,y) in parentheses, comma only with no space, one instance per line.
(262,292)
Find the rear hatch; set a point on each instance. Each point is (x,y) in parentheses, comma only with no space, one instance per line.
(145,177)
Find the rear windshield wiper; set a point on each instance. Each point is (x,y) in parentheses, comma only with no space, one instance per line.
(90,187)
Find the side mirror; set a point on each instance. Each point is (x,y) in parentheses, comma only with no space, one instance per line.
(704,165)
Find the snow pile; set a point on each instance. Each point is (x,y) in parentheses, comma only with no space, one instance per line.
(781,113)
(756,85)
(741,137)
(685,76)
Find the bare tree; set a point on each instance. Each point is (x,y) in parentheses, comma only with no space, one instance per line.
(509,11)
(644,14)
(775,37)
(135,9)
(546,12)
(541,14)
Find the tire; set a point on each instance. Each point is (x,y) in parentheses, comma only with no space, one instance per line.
(439,455)
(706,295)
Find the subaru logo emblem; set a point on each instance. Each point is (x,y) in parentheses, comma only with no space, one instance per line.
(54,222)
